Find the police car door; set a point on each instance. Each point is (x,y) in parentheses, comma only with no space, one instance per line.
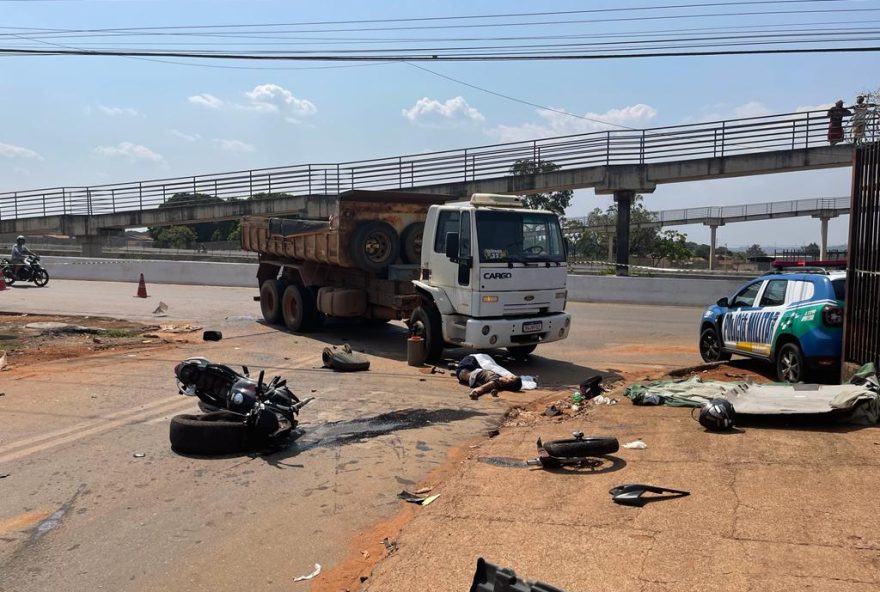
(762,325)
(734,326)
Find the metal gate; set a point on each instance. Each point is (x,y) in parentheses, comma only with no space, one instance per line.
(861,342)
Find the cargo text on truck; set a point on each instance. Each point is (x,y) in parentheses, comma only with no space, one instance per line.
(484,273)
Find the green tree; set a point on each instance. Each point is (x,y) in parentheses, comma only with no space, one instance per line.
(670,245)
(175,236)
(755,251)
(554,201)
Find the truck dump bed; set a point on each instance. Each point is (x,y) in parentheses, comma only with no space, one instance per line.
(328,242)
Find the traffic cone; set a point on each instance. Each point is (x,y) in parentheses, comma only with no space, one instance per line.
(142,288)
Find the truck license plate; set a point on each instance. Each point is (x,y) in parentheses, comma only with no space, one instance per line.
(532,327)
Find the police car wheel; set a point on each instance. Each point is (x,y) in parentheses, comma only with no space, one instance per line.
(790,366)
(710,346)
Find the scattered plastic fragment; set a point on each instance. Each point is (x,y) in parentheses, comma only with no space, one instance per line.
(390,546)
(603,400)
(423,490)
(139,455)
(4,475)
(552,411)
(410,497)
(635,445)
(309,576)
(430,500)
(161,309)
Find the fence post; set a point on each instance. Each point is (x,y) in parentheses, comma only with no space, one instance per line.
(400,172)
(215,188)
(793,133)
(338,180)
(723,136)
(715,144)
(194,188)
(250,183)
(642,149)
(63,200)
(535,151)
(310,179)
(465,165)
(807,138)
(269,179)
(141,195)
(608,147)
(15,203)
(44,204)
(113,199)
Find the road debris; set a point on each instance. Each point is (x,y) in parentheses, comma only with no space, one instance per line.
(161,309)
(491,578)
(3,361)
(552,411)
(344,359)
(430,499)
(423,490)
(390,545)
(4,475)
(179,328)
(212,336)
(314,573)
(417,499)
(635,445)
(139,455)
(631,494)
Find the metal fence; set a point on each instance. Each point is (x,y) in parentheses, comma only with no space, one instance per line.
(861,342)
(614,147)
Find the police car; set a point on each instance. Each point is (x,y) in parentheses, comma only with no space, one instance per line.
(792,317)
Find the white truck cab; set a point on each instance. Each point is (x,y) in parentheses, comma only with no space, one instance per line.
(493,274)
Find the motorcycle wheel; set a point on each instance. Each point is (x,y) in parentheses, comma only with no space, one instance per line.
(581,447)
(221,432)
(41,278)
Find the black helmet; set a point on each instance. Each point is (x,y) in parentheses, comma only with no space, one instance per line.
(717,415)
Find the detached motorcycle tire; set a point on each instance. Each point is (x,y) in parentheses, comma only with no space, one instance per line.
(220,432)
(581,447)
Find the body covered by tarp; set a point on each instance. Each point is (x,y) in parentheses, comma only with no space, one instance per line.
(857,401)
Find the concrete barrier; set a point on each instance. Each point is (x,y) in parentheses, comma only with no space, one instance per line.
(650,290)
(156,272)
(581,288)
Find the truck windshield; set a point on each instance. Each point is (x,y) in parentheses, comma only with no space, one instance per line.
(504,237)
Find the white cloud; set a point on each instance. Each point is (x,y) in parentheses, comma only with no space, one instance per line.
(560,124)
(233,145)
(130,151)
(206,100)
(271,98)
(820,107)
(751,109)
(431,112)
(184,136)
(724,111)
(12,151)
(116,111)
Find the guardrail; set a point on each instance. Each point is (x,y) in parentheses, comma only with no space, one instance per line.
(613,147)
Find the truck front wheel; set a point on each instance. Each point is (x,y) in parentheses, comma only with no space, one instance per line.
(425,322)
(521,352)
(270,300)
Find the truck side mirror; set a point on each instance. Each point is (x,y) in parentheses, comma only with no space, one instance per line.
(452,245)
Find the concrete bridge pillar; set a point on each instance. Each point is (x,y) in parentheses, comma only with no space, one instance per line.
(92,245)
(624,199)
(824,217)
(713,225)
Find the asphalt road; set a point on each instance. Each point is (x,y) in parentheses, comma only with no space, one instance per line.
(79,511)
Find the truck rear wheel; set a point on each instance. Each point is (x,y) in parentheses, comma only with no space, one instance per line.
(425,322)
(298,309)
(411,242)
(270,300)
(374,246)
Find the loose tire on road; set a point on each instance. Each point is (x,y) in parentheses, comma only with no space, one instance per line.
(411,243)
(579,448)
(521,352)
(344,360)
(374,246)
(710,346)
(220,432)
(425,322)
(298,309)
(270,301)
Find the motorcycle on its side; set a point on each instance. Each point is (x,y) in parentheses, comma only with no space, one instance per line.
(240,413)
(31,271)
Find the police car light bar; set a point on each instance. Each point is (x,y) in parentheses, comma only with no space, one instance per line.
(494,199)
(835,263)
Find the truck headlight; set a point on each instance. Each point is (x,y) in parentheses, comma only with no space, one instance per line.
(490,298)
(561,295)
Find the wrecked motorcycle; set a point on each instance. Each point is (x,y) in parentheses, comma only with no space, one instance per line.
(241,413)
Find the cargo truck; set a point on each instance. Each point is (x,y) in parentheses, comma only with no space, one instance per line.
(483,273)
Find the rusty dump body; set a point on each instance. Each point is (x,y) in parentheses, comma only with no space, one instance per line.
(309,241)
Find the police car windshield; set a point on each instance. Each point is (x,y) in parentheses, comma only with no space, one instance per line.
(526,237)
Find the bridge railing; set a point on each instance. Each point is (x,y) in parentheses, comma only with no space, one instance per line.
(612,147)
(753,211)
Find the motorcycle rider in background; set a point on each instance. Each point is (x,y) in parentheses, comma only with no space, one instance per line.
(19,255)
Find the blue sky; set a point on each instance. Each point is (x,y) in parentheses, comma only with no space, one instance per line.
(91,120)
